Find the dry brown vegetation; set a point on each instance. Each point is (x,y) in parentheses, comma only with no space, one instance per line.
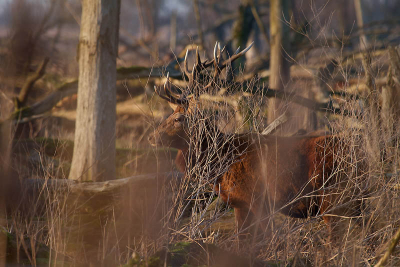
(154,214)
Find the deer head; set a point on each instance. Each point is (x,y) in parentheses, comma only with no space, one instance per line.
(174,130)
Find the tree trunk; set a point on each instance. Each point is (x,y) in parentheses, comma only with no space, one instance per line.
(5,147)
(198,22)
(94,147)
(241,31)
(360,24)
(280,46)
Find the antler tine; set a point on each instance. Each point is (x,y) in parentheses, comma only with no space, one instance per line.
(215,51)
(198,59)
(194,70)
(208,63)
(219,51)
(156,89)
(237,50)
(217,59)
(197,67)
(236,56)
(167,88)
(169,95)
(185,64)
(218,66)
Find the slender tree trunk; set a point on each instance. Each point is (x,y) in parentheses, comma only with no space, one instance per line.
(5,147)
(344,16)
(196,8)
(172,38)
(241,31)
(360,23)
(94,147)
(280,47)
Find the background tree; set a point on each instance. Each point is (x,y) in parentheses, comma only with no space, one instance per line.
(280,46)
(94,147)
(5,145)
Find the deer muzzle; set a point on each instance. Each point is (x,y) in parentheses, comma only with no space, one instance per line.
(154,138)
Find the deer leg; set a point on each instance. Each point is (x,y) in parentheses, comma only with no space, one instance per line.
(244,220)
(330,221)
(249,223)
(339,218)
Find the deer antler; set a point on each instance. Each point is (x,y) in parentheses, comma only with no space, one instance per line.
(169,95)
(197,68)
(219,66)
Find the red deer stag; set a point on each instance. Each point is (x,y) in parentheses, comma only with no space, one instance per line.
(260,174)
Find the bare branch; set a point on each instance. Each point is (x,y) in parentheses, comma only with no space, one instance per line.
(259,21)
(23,95)
(273,125)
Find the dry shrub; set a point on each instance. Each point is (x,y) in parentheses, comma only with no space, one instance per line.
(109,228)
(80,227)
(365,173)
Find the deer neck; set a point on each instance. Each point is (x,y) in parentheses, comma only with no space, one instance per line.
(216,152)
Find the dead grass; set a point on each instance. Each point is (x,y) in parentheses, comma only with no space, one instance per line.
(134,225)
(72,229)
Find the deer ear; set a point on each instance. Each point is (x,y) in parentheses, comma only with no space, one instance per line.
(173,106)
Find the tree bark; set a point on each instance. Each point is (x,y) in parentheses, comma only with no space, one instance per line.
(5,148)
(360,24)
(280,46)
(198,22)
(241,31)
(94,147)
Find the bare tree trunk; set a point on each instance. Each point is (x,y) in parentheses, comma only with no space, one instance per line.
(5,145)
(344,16)
(94,147)
(172,38)
(360,23)
(196,8)
(280,45)
(259,21)
(241,31)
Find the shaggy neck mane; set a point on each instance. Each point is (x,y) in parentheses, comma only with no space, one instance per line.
(215,151)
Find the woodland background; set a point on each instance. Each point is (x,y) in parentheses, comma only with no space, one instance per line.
(331,66)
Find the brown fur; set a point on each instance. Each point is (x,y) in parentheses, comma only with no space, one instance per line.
(268,173)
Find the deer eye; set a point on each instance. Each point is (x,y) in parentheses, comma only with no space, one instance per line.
(179,119)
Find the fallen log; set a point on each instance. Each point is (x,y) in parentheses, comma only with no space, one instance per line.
(31,197)
(32,188)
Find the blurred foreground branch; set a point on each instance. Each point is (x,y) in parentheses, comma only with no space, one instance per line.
(392,244)
(275,124)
